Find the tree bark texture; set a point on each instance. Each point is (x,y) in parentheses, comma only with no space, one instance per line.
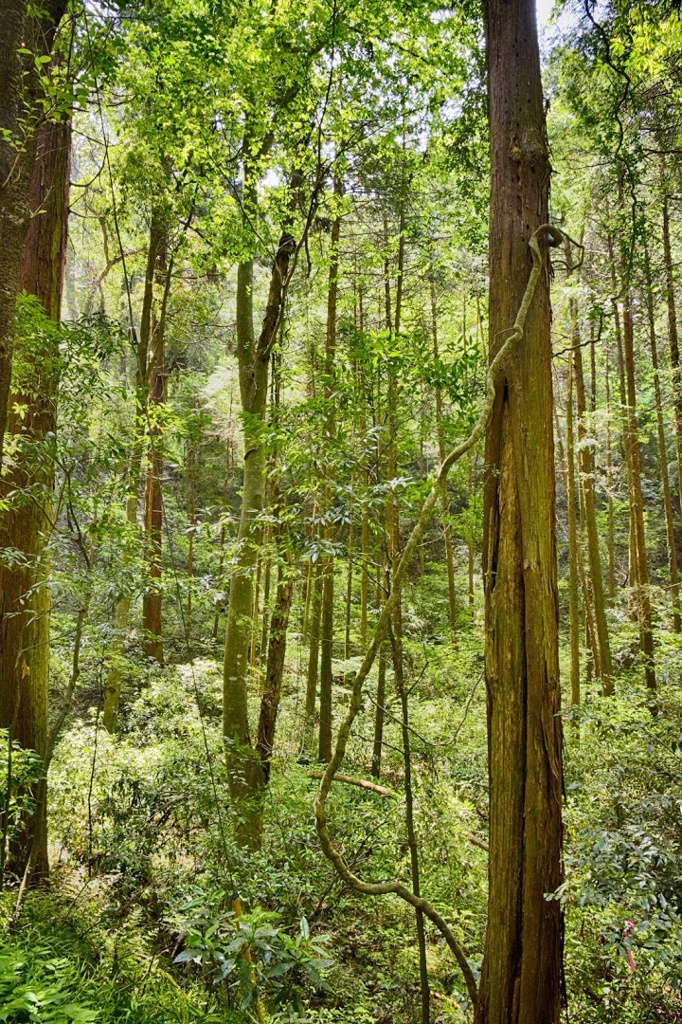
(32,29)
(521,974)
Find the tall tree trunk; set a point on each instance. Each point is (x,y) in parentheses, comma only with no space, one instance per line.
(229,459)
(633,460)
(349,594)
(191,451)
(409,823)
(673,339)
(26,524)
(587,475)
(313,660)
(327,633)
(27,32)
(378,739)
(573,605)
(112,691)
(663,454)
(152,608)
(274,669)
(445,503)
(521,973)
(611,520)
(244,766)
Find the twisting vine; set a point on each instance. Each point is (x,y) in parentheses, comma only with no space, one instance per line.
(554,236)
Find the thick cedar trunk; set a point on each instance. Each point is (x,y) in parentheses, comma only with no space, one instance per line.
(663,455)
(30,28)
(26,524)
(521,974)
(587,475)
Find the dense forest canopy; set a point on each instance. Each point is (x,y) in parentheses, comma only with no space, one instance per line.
(340,511)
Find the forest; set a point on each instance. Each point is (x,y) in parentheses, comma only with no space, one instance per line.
(340,511)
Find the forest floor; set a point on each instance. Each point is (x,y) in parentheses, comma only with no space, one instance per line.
(136,924)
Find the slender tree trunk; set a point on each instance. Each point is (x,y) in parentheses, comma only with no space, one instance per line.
(587,475)
(244,770)
(611,521)
(152,608)
(255,611)
(573,606)
(521,973)
(379,715)
(445,503)
(349,594)
(26,523)
(313,659)
(274,669)
(307,595)
(673,340)
(244,765)
(633,459)
(409,822)
(327,635)
(365,578)
(229,460)
(192,524)
(663,454)
(112,691)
